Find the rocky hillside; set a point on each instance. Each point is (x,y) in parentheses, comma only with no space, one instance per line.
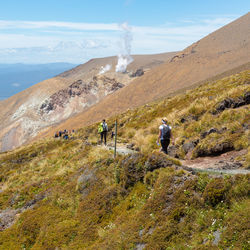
(156,76)
(77,96)
(209,120)
(54,100)
(72,194)
(221,52)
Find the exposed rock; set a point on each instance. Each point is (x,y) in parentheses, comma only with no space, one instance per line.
(233,103)
(135,167)
(14,199)
(137,149)
(79,88)
(134,171)
(189,118)
(246,126)
(217,236)
(228,165)
(32,202)
(183,120)
(115,86)
(157,161)
(140,246)
(218,149)
(210,131)
(137,73)
(189,50)
(227,103)
(85,180)
(131,146)
(7,218)
(247,97)
(173,151)
(189,146)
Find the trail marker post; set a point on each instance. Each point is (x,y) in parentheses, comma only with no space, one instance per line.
(115,137)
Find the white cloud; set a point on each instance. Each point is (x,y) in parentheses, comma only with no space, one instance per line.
(50,24)
(16,84)
(35,42)
(63,51)
(218,21)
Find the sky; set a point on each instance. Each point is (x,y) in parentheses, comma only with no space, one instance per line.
(44,31)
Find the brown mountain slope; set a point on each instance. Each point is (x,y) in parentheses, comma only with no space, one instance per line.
(58,98)
(221,51)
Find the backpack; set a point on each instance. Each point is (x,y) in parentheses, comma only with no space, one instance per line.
(166,132)
(105,127)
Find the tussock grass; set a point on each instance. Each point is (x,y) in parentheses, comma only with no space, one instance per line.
(89,200)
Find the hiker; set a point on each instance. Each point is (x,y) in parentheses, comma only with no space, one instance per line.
(164,135)
(103,129)
(66,135)
(60,133)
(112,134)
(56,135)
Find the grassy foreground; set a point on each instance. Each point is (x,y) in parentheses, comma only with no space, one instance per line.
(74,195)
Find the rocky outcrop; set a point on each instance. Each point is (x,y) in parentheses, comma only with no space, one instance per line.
(173,151)
(233,103)
(80,89)
(217,149)
(7,218)
(189,118)
(85,181)
(9,215)
(137,73)
(210,131)
(189,50)
(189,146)
(135,167)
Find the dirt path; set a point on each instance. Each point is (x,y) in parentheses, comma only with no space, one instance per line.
(121,149)
(226,163)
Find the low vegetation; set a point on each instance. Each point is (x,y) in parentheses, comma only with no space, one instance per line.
(72,194)
(195,118)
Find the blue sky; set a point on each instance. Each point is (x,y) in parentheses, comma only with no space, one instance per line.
(40,31)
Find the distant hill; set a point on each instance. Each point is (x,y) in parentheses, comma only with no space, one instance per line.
(17,77)
(215,56)
(56,99)
(83,95)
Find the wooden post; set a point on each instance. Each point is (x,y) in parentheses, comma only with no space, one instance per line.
(115,137)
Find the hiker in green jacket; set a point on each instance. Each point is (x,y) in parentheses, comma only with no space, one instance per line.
(103,129)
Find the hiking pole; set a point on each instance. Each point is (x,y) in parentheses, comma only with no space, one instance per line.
(115,137)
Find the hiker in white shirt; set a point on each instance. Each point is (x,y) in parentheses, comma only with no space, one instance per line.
(165,134)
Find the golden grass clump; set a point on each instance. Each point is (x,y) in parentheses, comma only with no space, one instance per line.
(74,195)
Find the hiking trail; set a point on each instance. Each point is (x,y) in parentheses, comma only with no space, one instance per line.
(222,164)
(226,163)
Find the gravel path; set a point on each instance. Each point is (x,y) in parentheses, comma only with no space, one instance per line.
(122,150)
(222,164)
(225,164)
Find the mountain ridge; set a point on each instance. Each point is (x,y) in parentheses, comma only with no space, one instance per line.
(21,112)
(220,51)
(188,70)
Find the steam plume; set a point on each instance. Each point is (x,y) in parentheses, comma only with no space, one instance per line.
(104,69)
(124,59)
